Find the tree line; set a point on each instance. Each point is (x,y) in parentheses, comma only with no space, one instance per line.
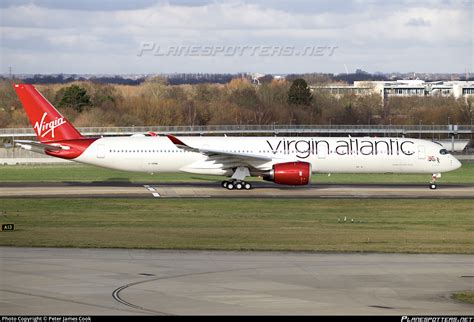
(238,102)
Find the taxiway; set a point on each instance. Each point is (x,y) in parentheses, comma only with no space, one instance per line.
(214,190)
(45,281)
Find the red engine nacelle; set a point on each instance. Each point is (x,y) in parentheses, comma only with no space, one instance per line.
(290,173)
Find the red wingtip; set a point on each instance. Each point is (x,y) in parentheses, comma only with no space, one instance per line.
(175,140)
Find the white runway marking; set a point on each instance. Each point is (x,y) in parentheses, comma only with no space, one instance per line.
(152,190)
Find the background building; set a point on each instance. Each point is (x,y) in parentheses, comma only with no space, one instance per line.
(458,89)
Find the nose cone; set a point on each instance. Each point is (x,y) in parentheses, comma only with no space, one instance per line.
(455,164)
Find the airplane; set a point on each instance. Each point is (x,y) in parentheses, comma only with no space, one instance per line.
(282,160)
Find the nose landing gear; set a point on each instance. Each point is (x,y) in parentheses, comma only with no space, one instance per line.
(435,176)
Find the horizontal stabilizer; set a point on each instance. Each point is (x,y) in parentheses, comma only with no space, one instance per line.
(29,145)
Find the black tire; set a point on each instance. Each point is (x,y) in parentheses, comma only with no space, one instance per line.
(224,184)
(247,186)
(239,186)
(230,186)
(433,186)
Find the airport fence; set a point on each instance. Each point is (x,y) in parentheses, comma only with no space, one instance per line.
(424,130)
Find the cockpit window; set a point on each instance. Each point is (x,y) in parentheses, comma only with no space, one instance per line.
(443,151)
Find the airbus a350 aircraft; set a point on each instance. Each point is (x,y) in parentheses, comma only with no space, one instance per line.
(283,160)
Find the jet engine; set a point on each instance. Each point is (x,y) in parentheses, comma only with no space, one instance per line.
(289,173)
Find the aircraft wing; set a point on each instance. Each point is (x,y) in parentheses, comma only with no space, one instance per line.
(34,145)
(230,157)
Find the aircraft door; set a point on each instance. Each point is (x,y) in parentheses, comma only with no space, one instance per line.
(100,151)
(421,152)
(322,151)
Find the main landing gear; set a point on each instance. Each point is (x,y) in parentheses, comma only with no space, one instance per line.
(435,176)
(236,184)
(237,181)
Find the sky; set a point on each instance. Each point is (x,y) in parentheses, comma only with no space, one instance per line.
(203,36)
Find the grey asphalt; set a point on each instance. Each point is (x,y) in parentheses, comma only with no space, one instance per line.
(45,281)
(213,190)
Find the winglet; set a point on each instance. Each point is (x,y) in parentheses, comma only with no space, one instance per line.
(176,141)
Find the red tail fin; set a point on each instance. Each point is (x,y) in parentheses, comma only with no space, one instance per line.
(48,123)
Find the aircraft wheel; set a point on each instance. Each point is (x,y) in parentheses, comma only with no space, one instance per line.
(239,186)
(433,186)
(224,184)
(247,186)
(230,186)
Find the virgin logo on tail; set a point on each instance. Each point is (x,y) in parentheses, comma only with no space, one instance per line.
(42,128)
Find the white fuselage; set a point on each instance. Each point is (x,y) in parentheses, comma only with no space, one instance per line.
(326,154)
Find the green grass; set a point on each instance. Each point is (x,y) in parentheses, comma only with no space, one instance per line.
(467,297)
(406,226)
(411,226)
(83,173)
(86,173)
